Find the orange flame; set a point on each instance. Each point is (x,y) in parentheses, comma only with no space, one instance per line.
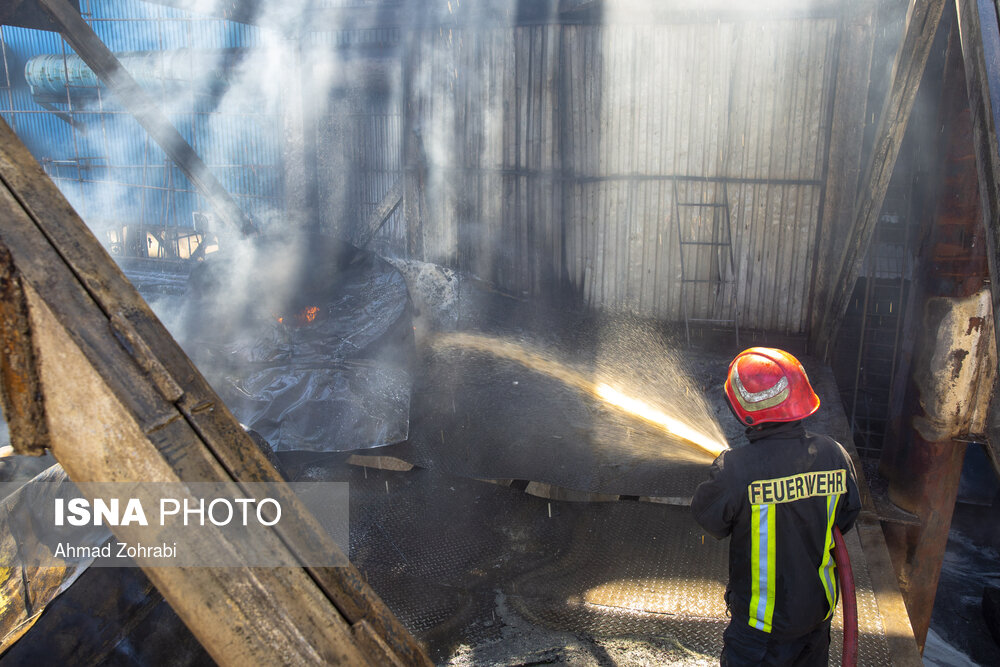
(308,316)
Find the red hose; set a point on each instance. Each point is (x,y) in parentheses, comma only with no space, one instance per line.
(846,575)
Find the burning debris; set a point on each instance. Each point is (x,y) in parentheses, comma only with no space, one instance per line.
(309,342)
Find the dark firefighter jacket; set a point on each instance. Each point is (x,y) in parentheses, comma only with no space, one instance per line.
(778,499)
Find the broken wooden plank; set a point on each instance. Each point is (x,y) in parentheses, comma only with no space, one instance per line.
(922,21)
(380,462)
(148,415)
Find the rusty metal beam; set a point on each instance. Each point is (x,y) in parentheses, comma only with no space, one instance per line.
(123,402)
(922,21)
(136,101)
(954,364)
(980,38)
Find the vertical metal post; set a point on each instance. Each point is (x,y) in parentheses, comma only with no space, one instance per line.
(861,348)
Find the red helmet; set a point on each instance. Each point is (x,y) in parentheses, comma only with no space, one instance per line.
(769,385)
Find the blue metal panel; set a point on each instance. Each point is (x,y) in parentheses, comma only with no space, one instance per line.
(106,165)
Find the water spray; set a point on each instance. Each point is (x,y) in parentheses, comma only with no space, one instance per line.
(610,395)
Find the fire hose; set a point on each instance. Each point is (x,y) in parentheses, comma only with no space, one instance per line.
(845,574)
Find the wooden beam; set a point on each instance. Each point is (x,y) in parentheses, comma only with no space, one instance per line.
(27,14)
(922,21)
(20,386)
(122,402)
(136,101)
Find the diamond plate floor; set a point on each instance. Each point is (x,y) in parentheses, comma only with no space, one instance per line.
(485,574)
(489,574)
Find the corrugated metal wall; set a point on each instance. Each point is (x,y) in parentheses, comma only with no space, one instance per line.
(557,150)
(108,167)
(555,154)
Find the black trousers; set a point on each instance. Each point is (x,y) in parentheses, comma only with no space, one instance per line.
(744,646)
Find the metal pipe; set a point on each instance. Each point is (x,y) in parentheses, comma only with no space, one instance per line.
(52,73)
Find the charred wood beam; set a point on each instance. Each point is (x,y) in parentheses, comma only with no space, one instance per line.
(10,9)
(136,101)
(922,22)
(20,387)
(122,402)
(27,14)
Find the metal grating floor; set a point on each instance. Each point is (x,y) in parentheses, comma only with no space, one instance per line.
(484,575)
(489,574)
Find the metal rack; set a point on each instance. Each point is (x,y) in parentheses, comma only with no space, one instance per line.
(879,308)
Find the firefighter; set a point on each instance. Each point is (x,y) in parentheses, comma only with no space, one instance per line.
(777,498)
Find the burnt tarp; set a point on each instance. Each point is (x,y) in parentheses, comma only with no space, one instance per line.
(308,340)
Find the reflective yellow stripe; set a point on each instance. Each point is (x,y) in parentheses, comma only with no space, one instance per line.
(828,566)
(763,566)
